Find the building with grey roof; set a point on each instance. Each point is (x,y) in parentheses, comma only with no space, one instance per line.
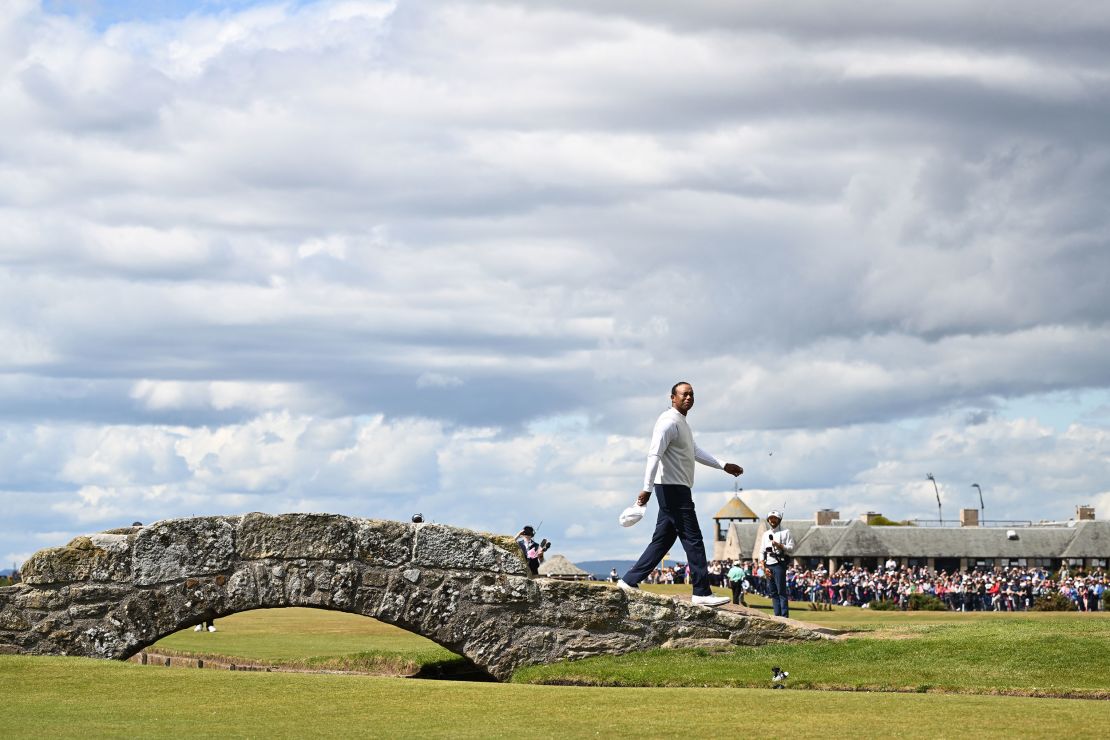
(557,566)
(827,540)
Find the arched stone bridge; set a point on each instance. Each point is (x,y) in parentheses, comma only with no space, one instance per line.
(110,595)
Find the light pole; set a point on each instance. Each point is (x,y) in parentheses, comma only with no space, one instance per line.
(982,510)
(940,514)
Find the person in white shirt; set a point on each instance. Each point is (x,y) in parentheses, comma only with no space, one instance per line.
(778,544)
(670,471)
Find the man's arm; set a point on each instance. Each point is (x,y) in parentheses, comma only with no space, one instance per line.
(707,459)
(665,431)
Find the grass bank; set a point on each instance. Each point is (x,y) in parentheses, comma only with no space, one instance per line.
(78,697)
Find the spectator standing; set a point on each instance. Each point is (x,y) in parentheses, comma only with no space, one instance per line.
(737,575)
(532,552)
(779,544)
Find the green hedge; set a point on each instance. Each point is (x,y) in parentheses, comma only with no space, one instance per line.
(1054,602)
(883,606)
(926,603)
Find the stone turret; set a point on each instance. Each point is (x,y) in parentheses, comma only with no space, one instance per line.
(734,511)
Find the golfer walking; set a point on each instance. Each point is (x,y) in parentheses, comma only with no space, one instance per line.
(670,471)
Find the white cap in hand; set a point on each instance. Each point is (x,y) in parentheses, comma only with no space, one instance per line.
(632,515)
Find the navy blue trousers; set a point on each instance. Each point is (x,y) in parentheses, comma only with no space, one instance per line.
(776,589)
(677,520)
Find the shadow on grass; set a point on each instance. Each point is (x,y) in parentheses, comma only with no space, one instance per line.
(458,669)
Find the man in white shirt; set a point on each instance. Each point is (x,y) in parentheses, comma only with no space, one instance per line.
(777,548)
(670,471)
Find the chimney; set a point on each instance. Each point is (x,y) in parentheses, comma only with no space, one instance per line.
(1084,513)
(870,517)
(826,516)
(969,517)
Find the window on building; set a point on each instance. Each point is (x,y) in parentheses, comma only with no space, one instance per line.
(1098,562)
(984,564)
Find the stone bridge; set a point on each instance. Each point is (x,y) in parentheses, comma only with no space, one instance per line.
(112,594)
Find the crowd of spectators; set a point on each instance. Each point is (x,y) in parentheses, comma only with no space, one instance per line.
(997,589)
(679,573)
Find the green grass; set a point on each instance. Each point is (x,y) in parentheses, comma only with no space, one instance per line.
(312,639)
(77,697)
(1032,653)
(1037,654)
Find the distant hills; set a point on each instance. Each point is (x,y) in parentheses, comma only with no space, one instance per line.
(600,568)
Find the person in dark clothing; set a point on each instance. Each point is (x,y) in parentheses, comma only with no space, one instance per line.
(532,550)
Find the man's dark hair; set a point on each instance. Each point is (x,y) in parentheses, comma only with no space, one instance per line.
(674,388)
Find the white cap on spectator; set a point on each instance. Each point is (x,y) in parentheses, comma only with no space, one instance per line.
(775,513)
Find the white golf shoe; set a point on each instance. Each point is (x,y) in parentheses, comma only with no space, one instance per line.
(713,601)
(625,587)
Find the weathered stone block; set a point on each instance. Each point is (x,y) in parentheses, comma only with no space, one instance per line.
(438,546)
(46,598)
(95,558)
(383,543)
(648,612)
(13,619)
(87,593)
(504,590)
(88,611)
(174,549)
(713,644)
(292,536)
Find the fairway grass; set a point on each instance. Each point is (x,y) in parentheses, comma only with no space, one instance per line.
(1026,654)
(312,639)
(1029,654)
(80,697)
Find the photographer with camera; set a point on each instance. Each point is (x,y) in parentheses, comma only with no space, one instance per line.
(533,551)
(778,544)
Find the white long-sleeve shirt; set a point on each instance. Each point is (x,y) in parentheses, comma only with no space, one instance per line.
(778,535)
(672,453)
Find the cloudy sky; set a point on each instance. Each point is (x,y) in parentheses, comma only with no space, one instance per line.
(375,258)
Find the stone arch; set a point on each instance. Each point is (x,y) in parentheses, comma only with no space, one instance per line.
(112,594)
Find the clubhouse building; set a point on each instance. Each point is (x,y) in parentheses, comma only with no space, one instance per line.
(1082,542)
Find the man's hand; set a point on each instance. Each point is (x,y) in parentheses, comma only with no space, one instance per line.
(643,498)
(733,469)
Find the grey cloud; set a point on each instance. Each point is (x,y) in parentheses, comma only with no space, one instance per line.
(824,223)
